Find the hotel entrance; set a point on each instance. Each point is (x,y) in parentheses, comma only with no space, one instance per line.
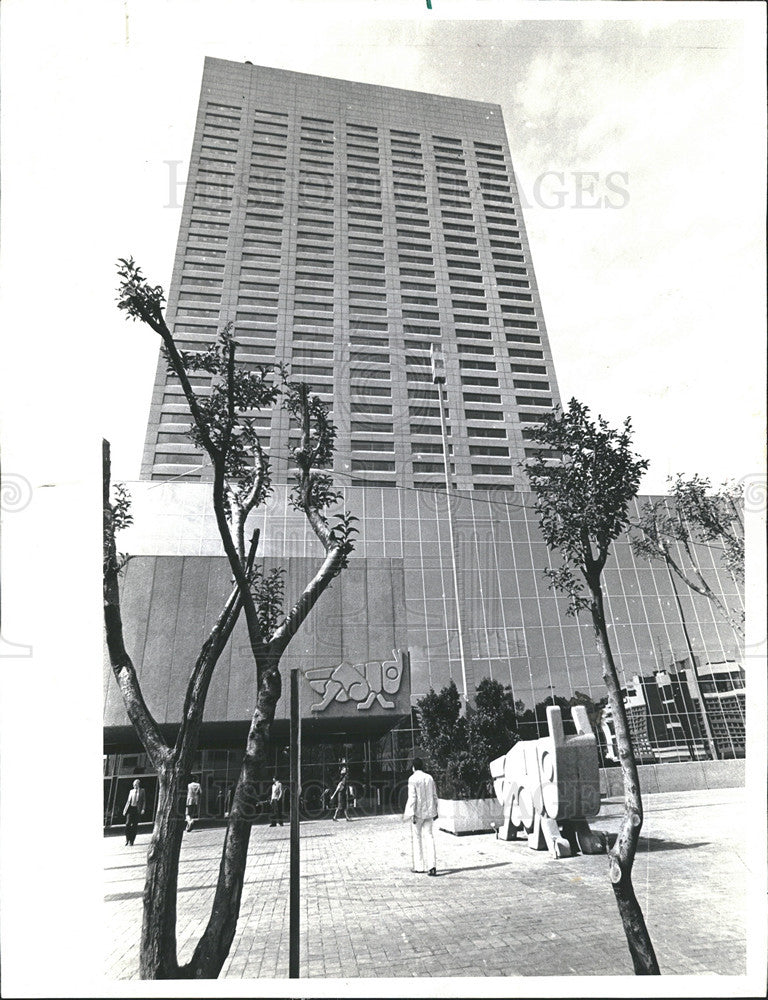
(378,767)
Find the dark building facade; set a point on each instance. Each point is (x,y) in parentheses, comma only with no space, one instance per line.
(396,597)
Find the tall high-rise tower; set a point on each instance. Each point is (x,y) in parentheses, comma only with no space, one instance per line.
(343,229)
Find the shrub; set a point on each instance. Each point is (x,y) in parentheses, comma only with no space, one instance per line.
(459,749)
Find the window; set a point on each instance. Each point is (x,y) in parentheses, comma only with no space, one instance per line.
(474,349)
(371,390)
(382,358)
(419,314)
(198,281)
(205,331)
(425,428)
(370,408)
(471,321)
(523,338)
(519,352)
(512,322)
(311,352)
(491,470)
(462,334)
(507,307)
(304,306)
(489,366)
(533,400)
(484,450)
(461,304)
(314,370)
(420,300)
(427,448)
(416,286)
(532,369)
(481,397)
(312,320)
(372,464)
(483,415)
(414,260)
(313,335)
(373,445)
(372,427)
(496,432)
(173,458)
(378,341)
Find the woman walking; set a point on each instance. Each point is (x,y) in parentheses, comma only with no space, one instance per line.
(341,794)
(194,794)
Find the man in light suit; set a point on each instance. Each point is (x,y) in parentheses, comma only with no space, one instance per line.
(421,808)
(134,807)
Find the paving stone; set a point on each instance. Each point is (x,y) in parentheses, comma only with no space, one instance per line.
(496,909)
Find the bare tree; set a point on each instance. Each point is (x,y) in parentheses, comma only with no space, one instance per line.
(672,527)
(222,426)
(582,499)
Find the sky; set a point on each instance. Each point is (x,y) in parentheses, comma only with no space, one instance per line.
(654,300)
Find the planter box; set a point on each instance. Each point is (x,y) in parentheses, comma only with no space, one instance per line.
(460,816)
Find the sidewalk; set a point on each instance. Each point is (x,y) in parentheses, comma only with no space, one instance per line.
(496,908)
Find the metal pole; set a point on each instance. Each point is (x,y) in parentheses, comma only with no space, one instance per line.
(448,490)
(694,670)
(293,926)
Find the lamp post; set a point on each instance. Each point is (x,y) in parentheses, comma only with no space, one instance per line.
(295,783)
(438,377)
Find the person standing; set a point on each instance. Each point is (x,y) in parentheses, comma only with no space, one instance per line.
(194,795)
(135,806)
(341,794)
(276,802)
(421,808)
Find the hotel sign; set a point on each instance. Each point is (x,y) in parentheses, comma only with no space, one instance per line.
(375,684)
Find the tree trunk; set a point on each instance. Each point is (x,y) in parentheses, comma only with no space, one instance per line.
(158,933)
(622,855)
(213,948)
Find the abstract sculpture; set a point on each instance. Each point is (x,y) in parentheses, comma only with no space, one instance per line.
(363,683)
(548,788)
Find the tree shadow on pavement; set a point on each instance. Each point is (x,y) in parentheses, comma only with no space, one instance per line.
(472,868)
(647,845)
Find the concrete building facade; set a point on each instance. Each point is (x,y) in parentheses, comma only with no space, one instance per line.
(344,227)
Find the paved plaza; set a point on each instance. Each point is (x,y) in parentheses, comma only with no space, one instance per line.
(495,909)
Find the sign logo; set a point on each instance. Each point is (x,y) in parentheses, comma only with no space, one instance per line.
(364,683)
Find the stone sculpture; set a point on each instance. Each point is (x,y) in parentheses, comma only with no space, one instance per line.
(549,787)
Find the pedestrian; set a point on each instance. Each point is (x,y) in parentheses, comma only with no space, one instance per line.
(421,809)
(276,802)
(341,794)
(325,800)
(228,800)
(135,806)
(194,794)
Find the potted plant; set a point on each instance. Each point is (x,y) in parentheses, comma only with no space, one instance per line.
(459,748)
